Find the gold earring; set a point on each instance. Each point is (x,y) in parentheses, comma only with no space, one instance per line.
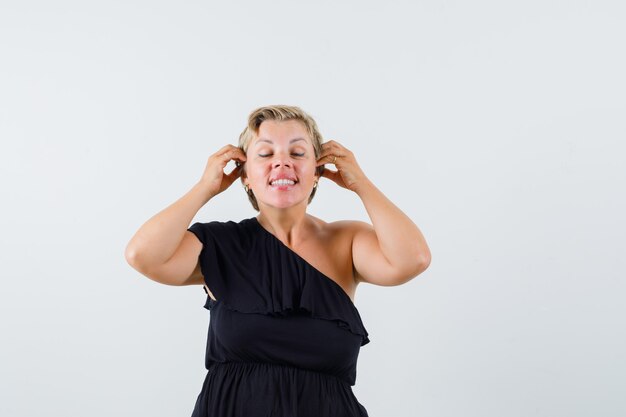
(245,187)
(315,185)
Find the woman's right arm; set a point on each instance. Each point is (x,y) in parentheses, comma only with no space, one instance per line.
(163,249)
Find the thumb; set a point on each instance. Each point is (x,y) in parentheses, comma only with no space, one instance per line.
(331,175)
(233,175)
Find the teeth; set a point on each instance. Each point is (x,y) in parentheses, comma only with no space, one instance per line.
(283,182)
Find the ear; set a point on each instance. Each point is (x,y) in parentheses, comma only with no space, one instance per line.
(243,176)
(319,171)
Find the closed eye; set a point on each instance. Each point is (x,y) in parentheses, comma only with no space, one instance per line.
(269,154)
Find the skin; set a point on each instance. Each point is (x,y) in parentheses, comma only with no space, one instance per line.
(390,251)
(281,148)
(285,148)
(348,252)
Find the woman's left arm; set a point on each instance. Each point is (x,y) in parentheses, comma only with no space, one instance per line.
(394,250)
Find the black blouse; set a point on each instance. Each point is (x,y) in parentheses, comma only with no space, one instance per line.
(283,338)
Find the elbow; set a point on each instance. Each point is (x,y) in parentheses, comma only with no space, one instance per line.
(409,272)
(420,266)
(129,254)
(425,262)
(132,258)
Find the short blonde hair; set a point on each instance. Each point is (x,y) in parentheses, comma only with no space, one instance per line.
(281,113)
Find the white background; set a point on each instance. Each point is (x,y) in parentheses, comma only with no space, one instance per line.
(498,127)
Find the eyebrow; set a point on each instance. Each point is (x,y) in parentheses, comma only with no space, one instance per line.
(269,141)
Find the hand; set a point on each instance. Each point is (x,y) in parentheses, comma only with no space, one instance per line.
(214,179)
(348,174)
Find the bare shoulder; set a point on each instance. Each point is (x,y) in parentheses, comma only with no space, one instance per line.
(329,249)
(340,228)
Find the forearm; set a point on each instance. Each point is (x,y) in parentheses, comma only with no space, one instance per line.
(400,240)
(158,238)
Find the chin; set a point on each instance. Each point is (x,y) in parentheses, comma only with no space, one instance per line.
(282,203)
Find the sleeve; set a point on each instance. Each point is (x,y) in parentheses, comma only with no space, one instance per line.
(213,237)
(219,254)
(202,233)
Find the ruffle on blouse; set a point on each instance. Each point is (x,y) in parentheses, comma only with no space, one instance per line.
(249,270)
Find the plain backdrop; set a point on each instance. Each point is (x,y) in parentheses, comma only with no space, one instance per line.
(498,127)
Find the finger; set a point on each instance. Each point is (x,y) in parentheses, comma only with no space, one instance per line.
(330,158)
(322,158)
(327,152)
(331,175)
(333,149)
(233,154)
(332,144)
(239,155)
(233,150)
(229,148)
(336,149)
(225,149)
(234,174)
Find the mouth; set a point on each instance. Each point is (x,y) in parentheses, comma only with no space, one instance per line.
(283,183)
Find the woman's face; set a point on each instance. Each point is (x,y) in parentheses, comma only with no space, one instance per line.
(281,150)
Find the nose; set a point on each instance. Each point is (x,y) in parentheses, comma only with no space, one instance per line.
(281,160)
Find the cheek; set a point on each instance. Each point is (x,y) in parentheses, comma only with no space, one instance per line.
(310,169)
(257,172)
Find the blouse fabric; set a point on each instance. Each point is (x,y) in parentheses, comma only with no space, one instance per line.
(283,338)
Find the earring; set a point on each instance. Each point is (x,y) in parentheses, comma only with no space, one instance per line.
(245,187)
(315,185)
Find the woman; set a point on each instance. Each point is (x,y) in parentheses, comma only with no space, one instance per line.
(284,333)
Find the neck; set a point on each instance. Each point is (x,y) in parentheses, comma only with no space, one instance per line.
(288,225)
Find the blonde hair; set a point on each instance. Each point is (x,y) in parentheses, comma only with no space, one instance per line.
(280,113)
